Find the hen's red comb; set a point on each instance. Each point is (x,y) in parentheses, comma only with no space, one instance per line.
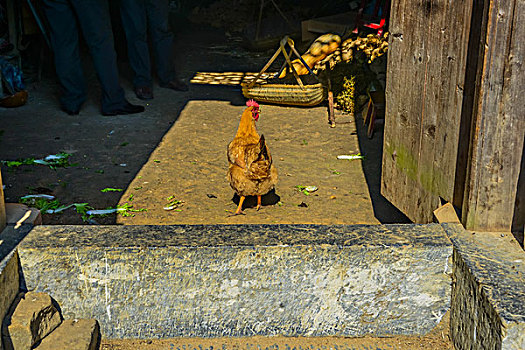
(251,103)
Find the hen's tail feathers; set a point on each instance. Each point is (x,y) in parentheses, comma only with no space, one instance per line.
(263,150)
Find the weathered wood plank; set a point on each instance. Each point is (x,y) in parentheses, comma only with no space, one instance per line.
(424,94)
(395,183)
(429,175)
(498,130)
(456,32)
(472,80)
(407,51)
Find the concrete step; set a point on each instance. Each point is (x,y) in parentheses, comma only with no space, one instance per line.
(244,280)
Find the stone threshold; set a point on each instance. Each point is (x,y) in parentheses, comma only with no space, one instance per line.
(103,271)
(488,292)
(244,280)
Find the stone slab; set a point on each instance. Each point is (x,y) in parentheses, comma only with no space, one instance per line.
(488,296)
(73,335)
(9,284)
(34,317)
(244,280)
(9,269)
(15,212)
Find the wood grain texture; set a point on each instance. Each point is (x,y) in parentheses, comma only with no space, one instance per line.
(498,121)
(478,25)
(424,94)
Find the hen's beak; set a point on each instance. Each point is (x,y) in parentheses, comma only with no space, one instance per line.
(255,113)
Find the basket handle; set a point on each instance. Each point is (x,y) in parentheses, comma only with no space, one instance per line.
(285,40)
(252,83)
(291,43)
(293,50)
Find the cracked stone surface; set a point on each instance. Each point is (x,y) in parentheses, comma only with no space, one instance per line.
(488,298)
(244,280)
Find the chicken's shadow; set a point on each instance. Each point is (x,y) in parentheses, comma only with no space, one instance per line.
(271,198)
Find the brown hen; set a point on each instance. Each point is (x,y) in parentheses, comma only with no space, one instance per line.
(251,172)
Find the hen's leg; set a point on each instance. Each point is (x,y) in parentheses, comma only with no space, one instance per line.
(258,203)
(239,208)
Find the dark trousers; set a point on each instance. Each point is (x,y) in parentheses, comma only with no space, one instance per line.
(137,17)
(92,16)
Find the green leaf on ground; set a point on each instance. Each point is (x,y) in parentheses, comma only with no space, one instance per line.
(302,189)
(53,161)
(109,189)
(126,209)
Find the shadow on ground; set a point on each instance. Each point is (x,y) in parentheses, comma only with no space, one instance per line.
(111,151)
(372,149)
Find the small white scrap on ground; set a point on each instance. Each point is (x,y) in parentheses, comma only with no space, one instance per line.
(350,156)
(40,161)
(104,211)
(311,188)
(58,210)
(54,157)
(48,159)
(45,196)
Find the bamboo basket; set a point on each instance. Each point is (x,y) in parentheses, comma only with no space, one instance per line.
(295,95)
(308,95)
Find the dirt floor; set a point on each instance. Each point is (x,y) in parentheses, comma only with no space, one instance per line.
(177,149)
(437,339)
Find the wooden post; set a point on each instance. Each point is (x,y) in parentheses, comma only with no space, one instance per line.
(2,206)
(498,120)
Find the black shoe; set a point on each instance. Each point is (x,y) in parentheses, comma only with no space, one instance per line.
(70,111)
(144,93)
(128,108)
(175,84)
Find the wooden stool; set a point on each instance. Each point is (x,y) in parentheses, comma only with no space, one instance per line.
(375,111)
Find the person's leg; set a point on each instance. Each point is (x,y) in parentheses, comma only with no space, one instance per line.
(95,22)
(162,39)
(64,41)
(133,13)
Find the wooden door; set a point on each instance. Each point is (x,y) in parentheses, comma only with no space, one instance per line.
(424,96)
